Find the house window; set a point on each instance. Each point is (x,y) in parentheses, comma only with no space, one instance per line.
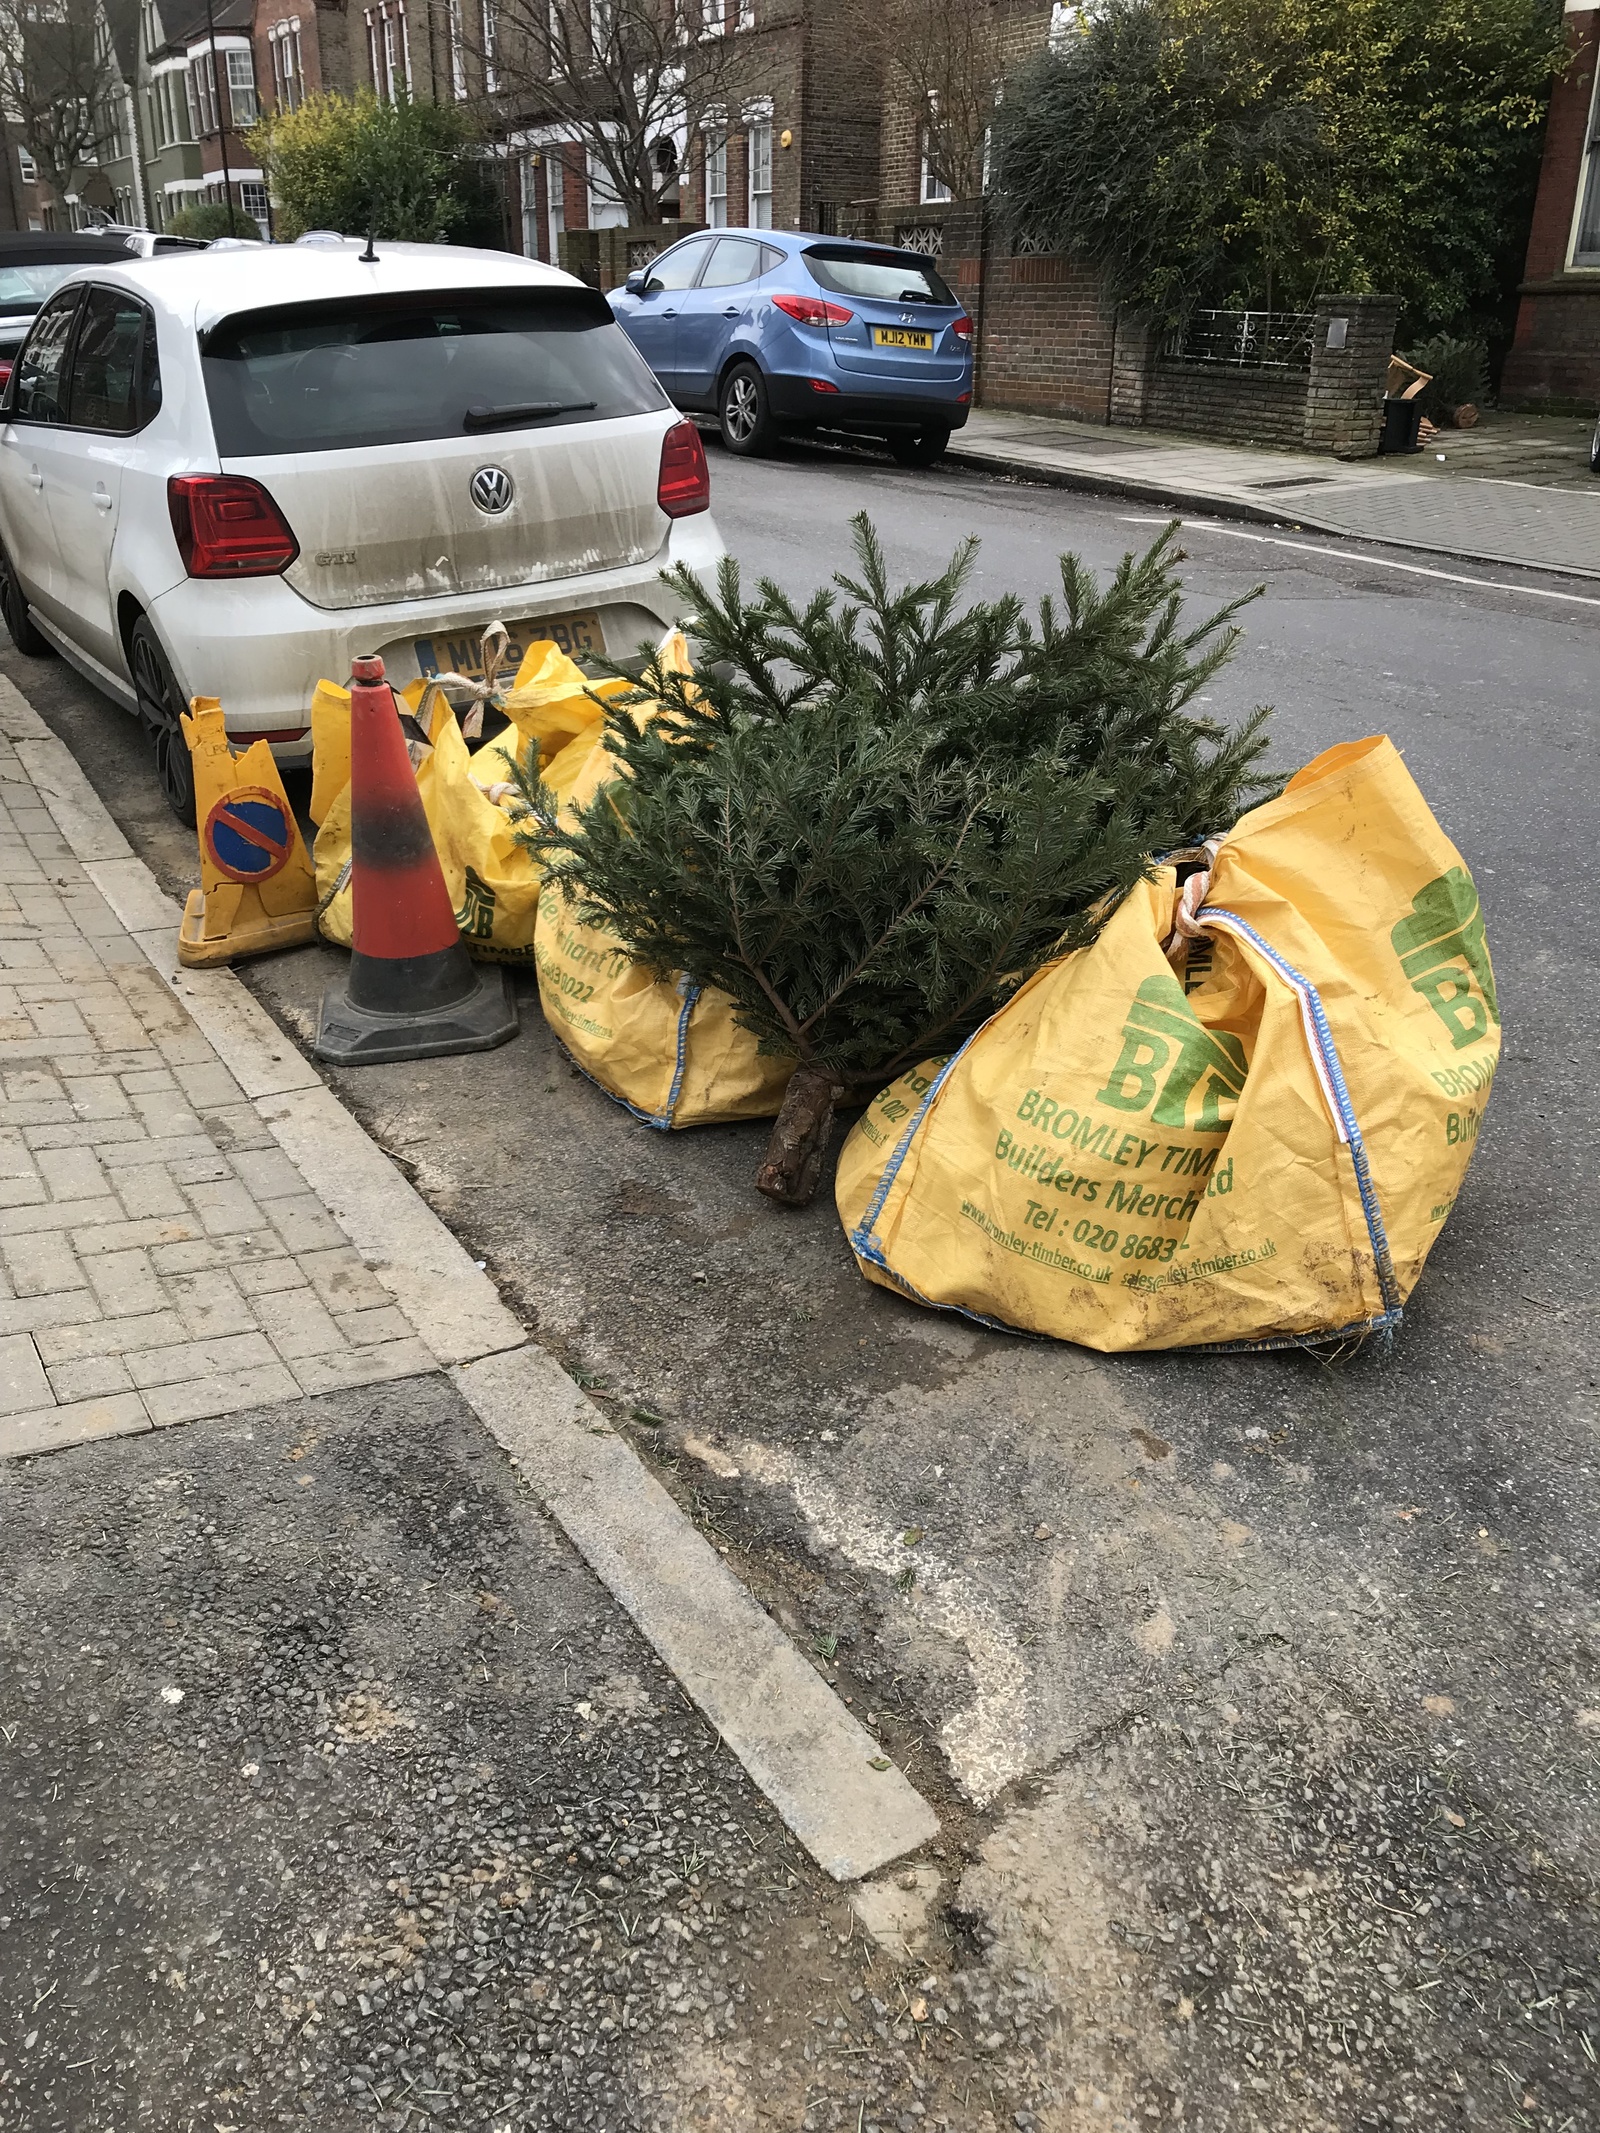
(761,174)
(555,178)
(934,188)
(253,199)
(530,207)
(27,168)
(202,98)
(606,208)
(288,80)
(388,55)
(713,17)
(1586,244)
(491,31)
(602,25)
(191,90)
(242,88)
(747,21)
(458,52)
(717,182)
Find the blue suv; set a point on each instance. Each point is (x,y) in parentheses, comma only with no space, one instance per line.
(770,332)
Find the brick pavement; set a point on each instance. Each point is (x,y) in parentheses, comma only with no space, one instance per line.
(162,1259)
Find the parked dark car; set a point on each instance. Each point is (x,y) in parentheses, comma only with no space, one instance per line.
(34,262)
(771,330)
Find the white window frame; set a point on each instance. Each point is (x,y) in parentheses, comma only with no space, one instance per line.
(1586,206)
(240,71)
(713,18)
(288,76)
(602,26)
(489,14)
(27,168)
(758,165)
(607,210)
(458,51)
(746,18)
(716,160)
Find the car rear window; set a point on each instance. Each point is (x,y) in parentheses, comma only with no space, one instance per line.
(395,369)
(892,277)
(24,289)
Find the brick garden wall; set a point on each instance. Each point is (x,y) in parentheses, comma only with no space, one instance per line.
(1242,406)
(1555,354)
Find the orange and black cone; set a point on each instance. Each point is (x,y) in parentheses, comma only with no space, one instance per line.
(412,990)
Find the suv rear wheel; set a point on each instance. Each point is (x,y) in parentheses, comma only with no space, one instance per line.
(160,706)
(745,413)
(14,610)
(918,448)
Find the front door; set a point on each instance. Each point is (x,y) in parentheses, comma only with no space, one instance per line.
(109,399)
(711,313)
(651,321)
(39,407)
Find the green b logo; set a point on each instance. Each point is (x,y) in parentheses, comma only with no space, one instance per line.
(1170,1056)
(1443,952)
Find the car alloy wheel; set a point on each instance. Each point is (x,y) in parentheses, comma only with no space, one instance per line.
(746,421)
(14,612)
(159,709)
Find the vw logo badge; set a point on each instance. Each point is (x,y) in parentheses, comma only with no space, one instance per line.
(490,489)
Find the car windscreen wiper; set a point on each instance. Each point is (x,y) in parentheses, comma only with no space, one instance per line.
(516,412)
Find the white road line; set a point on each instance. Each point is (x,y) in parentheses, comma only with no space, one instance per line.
(1356,555)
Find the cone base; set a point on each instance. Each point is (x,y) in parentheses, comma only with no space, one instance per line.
(360,1036)
(257,936)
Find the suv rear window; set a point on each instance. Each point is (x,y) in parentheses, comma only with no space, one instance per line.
(366,371)
(892,277)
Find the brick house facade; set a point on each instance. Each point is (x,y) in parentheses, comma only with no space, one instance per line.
(1555,354)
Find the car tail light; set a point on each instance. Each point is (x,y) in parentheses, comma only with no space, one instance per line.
(685,483)
(823,385)
(961,327)
(5,372)
(228,527)
(812,311)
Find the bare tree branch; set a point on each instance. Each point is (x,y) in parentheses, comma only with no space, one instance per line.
(630,81)
(57,76)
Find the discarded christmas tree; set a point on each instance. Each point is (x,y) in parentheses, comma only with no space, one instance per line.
(870,818)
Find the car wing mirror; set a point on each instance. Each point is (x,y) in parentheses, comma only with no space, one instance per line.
(635,284)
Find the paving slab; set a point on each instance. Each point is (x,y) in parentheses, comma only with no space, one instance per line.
(1515,492)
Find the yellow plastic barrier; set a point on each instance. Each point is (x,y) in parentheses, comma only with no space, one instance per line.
(1254,1148)
(257,892)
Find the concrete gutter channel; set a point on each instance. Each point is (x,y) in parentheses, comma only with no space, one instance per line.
(821,1770)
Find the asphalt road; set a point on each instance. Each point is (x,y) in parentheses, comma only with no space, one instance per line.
(1258,1695)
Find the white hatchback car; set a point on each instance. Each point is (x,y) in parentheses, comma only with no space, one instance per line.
(227,473)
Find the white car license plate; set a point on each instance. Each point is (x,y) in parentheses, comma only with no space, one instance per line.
(461,652)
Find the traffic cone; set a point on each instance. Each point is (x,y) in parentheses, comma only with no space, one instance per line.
(257,891)
(412,990)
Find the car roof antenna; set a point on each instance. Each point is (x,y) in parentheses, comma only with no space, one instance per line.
(369,257)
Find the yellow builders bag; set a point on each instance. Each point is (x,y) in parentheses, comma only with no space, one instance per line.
(1251,1148)
(493,880)
(670,1051)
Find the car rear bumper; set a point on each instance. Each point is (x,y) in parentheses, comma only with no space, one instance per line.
(795,399)
(262,649)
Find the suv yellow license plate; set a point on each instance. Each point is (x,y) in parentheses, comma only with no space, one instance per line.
(900,337)
(462,652)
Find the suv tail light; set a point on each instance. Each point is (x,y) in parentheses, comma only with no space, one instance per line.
(961,327)
(684,486)
(812,311)
(228,527)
